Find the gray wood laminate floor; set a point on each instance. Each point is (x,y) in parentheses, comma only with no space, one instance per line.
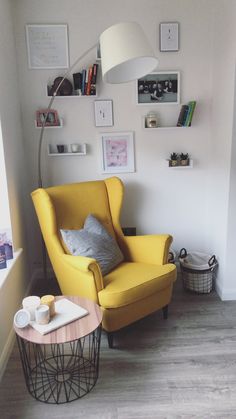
(183,367)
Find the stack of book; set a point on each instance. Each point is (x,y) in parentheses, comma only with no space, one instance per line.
(85,81)
(186,114)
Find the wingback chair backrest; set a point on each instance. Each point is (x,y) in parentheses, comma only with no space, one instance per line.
(67,206)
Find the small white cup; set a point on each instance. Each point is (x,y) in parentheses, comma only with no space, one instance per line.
(74,148)
(31,303)
(42,314)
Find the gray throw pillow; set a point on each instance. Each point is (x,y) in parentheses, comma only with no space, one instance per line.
(95,242)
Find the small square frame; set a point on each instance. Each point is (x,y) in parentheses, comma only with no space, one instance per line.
(117,151)
(169,36)
(52,118)
(148,91)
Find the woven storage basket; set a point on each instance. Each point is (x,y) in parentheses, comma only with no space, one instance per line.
(198,271)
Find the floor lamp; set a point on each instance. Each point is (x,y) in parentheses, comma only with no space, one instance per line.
(125,55)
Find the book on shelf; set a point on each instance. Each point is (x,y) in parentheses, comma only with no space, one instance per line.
(191,108)
(77,79)
(182,116)
(186,114)
(90,74)
(94,79)
(83,81)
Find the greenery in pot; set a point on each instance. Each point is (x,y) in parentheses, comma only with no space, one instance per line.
(173,159)
(184,159)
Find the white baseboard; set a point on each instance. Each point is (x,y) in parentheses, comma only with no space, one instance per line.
(7,350)
(226,294)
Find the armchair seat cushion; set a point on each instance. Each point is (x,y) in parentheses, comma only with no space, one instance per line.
(131,282)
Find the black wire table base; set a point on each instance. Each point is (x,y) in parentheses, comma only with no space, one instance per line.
(62,372)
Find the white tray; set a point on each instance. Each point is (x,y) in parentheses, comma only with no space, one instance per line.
(66,312)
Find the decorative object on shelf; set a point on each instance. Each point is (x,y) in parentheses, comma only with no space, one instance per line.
(75,148)
(186,114)
(117,152)
(6,248)
(49,119)
(103,112)
(173,159)
(69,150)
(159,88)
(60,148)
(65,87)
(47,46)
(180,160)
(151,120)
(125,55)
(184,159)
(169,36)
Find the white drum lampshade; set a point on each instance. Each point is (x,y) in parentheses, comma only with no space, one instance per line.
(125,53)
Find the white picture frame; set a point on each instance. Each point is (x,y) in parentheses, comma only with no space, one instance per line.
(117,151)
(169,36)
(159,88)
(103,113)
(47,46)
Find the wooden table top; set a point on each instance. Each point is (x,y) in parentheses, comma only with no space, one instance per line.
(72,331)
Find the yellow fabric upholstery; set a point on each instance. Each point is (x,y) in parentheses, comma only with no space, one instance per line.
(131,282)
(138,286)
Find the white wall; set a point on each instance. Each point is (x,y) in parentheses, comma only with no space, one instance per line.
(157,199)
(14,288)
(221,189)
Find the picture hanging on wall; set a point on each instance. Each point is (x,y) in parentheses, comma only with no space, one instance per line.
(159,88)
(47,46)
(169,36)
(117,150)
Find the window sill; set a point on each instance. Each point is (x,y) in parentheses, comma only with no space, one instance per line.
(10,263)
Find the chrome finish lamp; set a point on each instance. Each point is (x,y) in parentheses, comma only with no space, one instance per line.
(125,55)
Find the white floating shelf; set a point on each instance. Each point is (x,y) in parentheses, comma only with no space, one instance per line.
(190,166)
(53,126)
(52,151)
(160,127)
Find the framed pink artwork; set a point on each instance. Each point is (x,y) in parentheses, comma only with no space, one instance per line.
(117,149)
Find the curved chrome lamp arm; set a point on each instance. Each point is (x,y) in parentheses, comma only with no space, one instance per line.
(40,182)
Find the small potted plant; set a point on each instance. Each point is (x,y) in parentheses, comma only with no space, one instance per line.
(184,159)
(173,159)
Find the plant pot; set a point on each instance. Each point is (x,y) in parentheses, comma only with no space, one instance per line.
(184,162)
(173,163)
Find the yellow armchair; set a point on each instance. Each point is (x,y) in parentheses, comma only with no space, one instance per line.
(138,286)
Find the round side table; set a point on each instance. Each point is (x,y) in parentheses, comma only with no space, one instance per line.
(63,365)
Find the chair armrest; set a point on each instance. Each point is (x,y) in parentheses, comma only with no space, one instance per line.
(86,265)
(148,249)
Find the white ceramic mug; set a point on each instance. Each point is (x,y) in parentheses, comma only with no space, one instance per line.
(42,314)
(31,303)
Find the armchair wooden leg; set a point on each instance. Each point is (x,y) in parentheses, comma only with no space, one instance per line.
(110,339)
(165,312)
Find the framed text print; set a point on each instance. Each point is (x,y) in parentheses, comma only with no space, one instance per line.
(117,149)
(47,46)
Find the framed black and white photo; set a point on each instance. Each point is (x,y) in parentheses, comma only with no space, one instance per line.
(117,149)
(159,88)
(169,36)
(47,46)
